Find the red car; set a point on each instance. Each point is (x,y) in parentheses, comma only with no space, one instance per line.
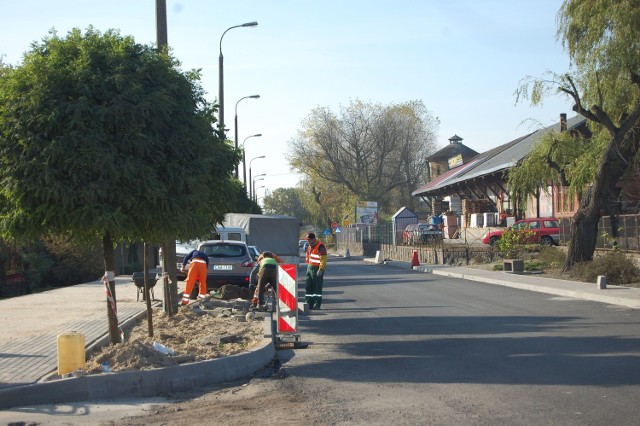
(547,230)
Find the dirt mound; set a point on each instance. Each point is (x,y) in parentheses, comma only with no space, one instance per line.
(203,330)
(232,292)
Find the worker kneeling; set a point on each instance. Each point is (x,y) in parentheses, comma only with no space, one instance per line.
(267,271)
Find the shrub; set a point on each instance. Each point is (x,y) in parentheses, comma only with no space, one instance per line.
(618,268)
(552,257)
(513,243)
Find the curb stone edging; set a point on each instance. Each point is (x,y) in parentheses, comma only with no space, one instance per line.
(143,383)
(612,299)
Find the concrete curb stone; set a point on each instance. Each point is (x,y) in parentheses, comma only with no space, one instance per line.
(144,383)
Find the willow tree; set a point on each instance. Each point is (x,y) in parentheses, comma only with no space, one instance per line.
(602,39)
(369,150)
(101,136)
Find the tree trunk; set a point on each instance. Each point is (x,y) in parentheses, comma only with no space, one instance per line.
(584,230)
(147,293)
(109,267)
(169,267)
(600,196)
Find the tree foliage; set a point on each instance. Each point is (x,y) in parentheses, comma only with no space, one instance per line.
(368,150)
(101,135)
(327,201)
(602,39)
(558,157)
(286,201)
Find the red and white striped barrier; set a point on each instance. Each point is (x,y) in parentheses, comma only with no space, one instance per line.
(287,298)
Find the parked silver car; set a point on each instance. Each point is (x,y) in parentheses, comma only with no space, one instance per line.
(419,233)
(230,262)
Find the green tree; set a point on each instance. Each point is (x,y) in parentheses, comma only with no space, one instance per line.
(601,39)
(559,158)
(369,150)
(101,136)
(240,202)
(288,202)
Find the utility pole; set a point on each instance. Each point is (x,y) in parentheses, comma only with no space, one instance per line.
(161,25)
(169,267)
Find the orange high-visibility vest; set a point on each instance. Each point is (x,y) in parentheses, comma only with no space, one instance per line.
(314,254)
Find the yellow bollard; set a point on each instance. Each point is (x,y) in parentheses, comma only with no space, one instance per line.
(71,352)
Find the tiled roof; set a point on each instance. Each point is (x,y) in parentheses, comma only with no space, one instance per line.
(495,160)
(451,150)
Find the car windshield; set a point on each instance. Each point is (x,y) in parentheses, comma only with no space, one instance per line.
(224,250)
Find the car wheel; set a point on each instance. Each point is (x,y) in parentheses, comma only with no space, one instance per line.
(494,240)
(546,240)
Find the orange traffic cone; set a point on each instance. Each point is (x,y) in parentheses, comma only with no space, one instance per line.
(415,261)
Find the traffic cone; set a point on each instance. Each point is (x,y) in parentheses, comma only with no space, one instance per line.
(415,261)
(346,253)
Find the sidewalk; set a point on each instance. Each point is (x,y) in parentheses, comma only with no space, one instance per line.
(29,325)
(614,295)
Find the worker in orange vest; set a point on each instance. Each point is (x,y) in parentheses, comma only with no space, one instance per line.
(197,263)
(316,258)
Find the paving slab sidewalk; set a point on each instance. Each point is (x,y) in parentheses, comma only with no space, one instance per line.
(30,325)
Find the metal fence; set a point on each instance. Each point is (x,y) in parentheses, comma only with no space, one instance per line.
(367,240)
(621,232)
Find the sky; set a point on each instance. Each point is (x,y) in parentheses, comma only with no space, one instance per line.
(463,59)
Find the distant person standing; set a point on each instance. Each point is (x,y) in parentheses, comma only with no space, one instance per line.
(316,258)
(198,262)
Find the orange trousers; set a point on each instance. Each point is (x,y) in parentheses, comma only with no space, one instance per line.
(197,272)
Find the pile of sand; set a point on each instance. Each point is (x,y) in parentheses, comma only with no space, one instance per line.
(203,330)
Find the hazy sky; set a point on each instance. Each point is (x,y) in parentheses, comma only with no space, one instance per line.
(463,59)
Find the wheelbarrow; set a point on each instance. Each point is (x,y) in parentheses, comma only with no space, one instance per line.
(138,279)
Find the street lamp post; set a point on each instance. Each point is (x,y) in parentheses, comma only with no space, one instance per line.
(255,195)
(254,184)
(255,158)
(244,164)
(235,126)
(221,76)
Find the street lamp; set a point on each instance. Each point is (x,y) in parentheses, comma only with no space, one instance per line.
(256,193)
(253,193)
(255,158)
(236,131)
(244,164)
(221,76)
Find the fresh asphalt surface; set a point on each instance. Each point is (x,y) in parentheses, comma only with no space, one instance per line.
(469,327)
(402,347)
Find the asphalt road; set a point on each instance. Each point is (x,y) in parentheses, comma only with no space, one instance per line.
(395,346)
(402,347)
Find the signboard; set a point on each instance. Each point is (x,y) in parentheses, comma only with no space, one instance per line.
(287,298)
(367,212)
(455,161)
